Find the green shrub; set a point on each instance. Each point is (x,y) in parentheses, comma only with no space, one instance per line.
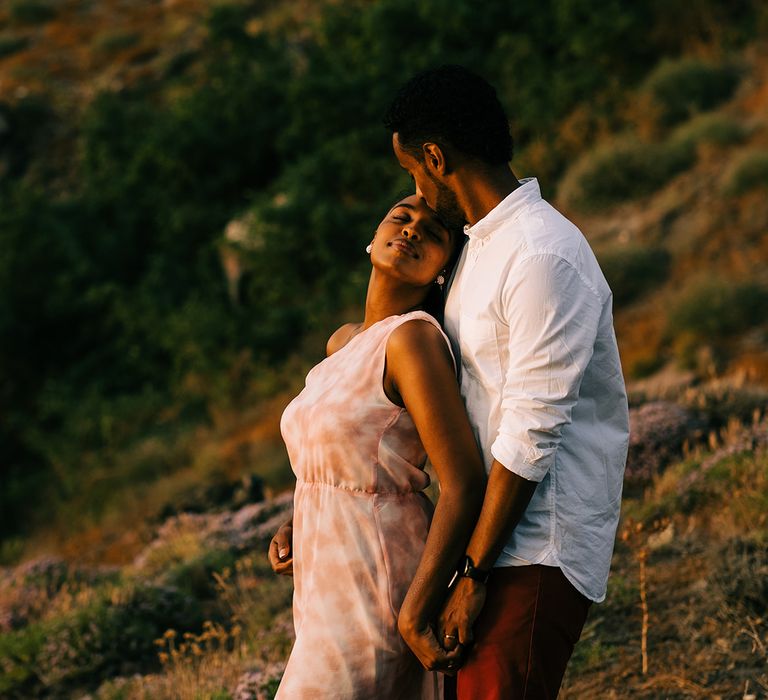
(627,169)
(195,576)
(722,403)
(682,87)
(113,635)
(11,44)
(711,309)
(11,550)
(645,366)
(111,42)
(108,632)
(716,129)
(623,170)
(632,270)
(747,173)
(31,11)
(741,578)
(19,652)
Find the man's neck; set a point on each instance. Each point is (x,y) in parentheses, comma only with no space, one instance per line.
(481,192)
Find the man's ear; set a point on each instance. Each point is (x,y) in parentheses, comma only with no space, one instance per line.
(434,158)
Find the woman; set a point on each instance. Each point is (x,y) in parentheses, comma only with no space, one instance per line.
(369,569)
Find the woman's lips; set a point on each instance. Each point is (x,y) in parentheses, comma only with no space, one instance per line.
(405,246)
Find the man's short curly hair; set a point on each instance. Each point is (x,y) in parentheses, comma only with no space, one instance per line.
(451,105)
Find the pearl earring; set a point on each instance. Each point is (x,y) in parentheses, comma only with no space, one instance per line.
(440,280)
(368,248)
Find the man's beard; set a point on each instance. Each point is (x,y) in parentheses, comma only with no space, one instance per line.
(447,208)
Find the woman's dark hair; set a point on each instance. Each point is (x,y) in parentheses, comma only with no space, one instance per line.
(434,303)
(454,106)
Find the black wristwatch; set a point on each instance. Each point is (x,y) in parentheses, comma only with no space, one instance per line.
(467,569)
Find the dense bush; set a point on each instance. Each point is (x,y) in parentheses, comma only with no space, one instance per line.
(632,270)
(31,11)
(657,431)
(11,44)
(623,170)
(747,173)
(28,591)
(682,87)
(715,129)
(743,578)
(110,634)
(724,403)
(629,168)
(714,309)
(114,41)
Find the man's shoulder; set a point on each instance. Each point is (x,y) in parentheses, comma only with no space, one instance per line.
(543,229)
(544,236)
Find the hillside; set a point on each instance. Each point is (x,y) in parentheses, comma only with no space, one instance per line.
(197,613)
(186,189)
(699,239)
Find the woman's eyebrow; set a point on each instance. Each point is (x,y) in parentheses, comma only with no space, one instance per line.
(401,204)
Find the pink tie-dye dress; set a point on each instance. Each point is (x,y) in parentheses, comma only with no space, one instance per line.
(359,526)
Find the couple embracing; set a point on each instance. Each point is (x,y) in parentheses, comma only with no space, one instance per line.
(487,347)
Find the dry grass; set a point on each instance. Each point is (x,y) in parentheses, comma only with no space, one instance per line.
(256,642)
(686,613)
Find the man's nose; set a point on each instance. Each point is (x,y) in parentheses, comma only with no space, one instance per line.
(419,193)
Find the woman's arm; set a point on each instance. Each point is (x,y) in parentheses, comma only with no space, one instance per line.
(419,371)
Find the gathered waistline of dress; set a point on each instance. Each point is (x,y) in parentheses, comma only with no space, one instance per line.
(358,491)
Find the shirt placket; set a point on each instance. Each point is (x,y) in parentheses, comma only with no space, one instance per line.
(473,254)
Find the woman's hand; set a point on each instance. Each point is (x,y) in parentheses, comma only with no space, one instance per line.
(423,643)
(281,550)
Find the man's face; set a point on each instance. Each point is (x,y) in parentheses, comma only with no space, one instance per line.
(438,196)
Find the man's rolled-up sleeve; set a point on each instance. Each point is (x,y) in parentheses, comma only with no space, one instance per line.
(553,316)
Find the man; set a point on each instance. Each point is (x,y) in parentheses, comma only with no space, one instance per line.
(529,313)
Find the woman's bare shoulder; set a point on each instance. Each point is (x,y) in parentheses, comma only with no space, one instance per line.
(417,337)
(341,337)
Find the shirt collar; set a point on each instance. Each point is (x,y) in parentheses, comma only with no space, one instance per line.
(508,208)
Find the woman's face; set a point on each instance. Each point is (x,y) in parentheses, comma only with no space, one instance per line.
(411,243)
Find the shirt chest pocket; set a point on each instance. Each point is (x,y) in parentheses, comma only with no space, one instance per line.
(480,352)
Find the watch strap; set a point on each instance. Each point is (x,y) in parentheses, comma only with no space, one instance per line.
(467,569)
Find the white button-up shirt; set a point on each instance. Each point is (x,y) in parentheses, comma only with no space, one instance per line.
(529,315)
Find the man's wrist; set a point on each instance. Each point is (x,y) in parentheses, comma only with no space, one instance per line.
(468,570)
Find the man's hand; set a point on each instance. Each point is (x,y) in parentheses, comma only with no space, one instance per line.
(423,643)
(460,612)
(281,551)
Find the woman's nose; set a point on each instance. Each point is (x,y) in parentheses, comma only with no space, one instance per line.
(410,231)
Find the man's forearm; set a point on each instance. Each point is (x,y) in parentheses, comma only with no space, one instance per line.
(506,498)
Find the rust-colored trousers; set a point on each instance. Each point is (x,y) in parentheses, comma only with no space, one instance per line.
(532,618)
